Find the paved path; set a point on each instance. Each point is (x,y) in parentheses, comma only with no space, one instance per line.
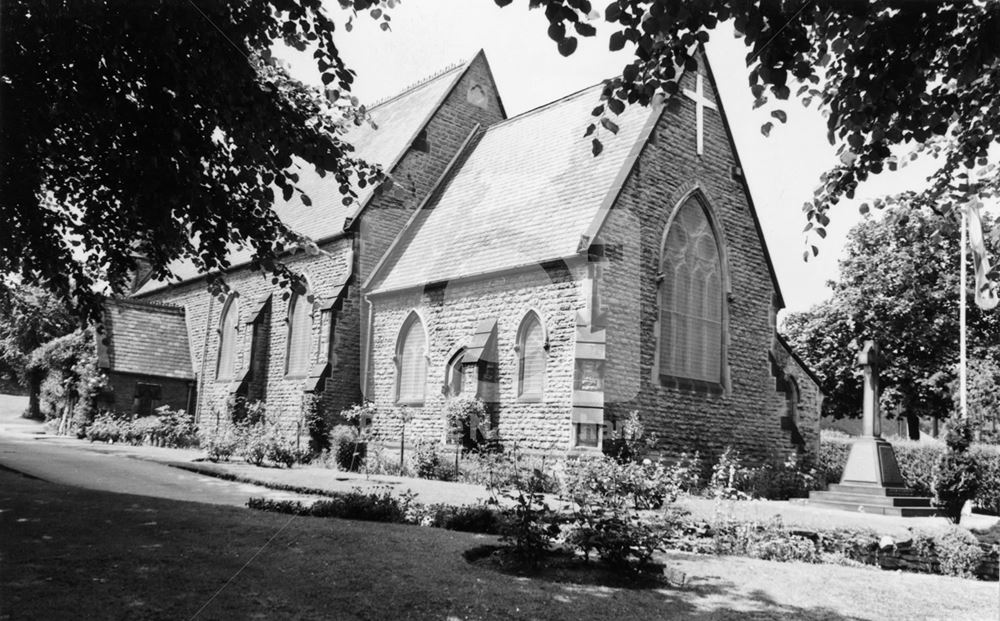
(168,473)
(25,448)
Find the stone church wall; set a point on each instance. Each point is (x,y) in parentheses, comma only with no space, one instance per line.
(283,396)
(743,414)
(414,176)
(450,316)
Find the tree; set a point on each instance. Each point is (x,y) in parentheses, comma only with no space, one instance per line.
(895,79)
(162,129)
(29,317)
(899,286)
(167,128)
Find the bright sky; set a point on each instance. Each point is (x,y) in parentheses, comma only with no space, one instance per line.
(782,169)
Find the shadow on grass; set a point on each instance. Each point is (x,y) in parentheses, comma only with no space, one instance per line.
(71,553)
(565,568)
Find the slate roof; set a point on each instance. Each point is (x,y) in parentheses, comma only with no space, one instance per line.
(398,121)
(525,194)
(145,339)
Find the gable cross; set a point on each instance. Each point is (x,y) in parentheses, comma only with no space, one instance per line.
(700,103)
(871,360)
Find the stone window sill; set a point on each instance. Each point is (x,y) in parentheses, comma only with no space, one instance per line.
(697,386)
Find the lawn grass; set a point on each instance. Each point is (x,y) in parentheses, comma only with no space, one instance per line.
(71,553)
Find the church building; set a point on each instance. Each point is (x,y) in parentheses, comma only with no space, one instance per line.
(508,262)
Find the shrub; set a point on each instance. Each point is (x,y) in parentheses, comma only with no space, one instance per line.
(377,506)
(72,382)
(917,462)
(426,460)
(378,460)
(348,447)
(528,525)
(316,422)
(219,442)
(832,457)
(252,445)
(768,540)
(280,450)
(172,428)
(957,550)
(106,428)
(460,412)
(956,473)
(686,472)
(988,492)
(780,481)
(729,476)
(143,430)
(630,441)
(607,496)
(479,518)
(502,469)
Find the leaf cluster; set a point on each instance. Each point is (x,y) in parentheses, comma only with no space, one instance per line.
(894,79)
(898,285)
(164,131)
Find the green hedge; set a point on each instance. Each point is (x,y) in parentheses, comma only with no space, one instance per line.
(916,464)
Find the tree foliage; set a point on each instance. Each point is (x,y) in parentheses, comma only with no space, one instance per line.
(163,129)
(899,286)
(29,317)
(894,79)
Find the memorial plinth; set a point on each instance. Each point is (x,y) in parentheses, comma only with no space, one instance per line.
(871,482)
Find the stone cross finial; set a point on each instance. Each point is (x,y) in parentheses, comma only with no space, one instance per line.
(871,360)
(700,102)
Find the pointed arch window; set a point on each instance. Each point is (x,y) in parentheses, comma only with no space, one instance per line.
(411,362)
(532,358)
(691,298)
(453,375)
(229,325)
(300,328)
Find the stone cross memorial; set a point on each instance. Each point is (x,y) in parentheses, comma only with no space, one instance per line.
(871,482)
(872,460)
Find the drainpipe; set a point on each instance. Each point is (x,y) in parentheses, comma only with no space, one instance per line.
(204,356)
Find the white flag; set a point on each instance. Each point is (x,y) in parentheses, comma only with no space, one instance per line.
(986,291)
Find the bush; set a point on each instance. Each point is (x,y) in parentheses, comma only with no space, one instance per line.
(528,525)
(377,506)
(220,442)
(780,481)
(106,428)
(464,413)
(729,476)
(957,550)
(499,469)
(630,441)
(426,460)
(348,447)
(988,493)
(72,382)
(956,473)
(316,423)
(478,518)
(607,496)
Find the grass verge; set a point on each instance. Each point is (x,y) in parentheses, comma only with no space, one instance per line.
(69,553)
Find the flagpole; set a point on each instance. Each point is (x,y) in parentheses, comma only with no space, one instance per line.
(963,385)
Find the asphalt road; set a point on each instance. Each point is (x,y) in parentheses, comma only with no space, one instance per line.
(89,466)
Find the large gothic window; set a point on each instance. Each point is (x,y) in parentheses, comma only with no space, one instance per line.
(300,324)
(691,298)
(228,334)
(532,356)
(411,362)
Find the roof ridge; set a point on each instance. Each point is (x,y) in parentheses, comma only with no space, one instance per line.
(543,106)
(421,82)
(146,304)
